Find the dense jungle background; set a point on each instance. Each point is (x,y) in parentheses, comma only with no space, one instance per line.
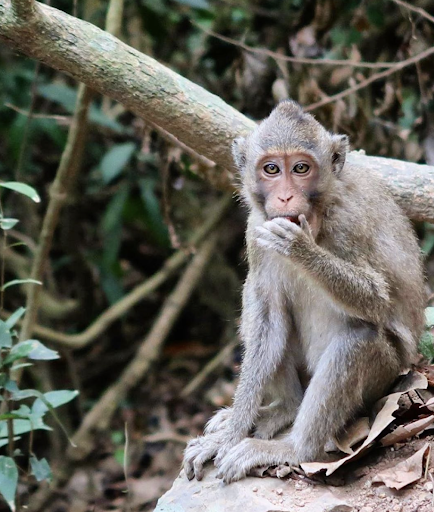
(116,277)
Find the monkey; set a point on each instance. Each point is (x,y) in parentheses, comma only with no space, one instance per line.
(332,305)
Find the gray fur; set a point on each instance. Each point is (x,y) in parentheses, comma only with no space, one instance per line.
(335,317)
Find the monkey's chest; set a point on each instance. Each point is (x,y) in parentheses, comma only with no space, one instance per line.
(318,320)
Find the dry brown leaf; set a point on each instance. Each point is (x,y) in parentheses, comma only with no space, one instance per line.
(405,431)
(413,380)
(406,472)
(355,433)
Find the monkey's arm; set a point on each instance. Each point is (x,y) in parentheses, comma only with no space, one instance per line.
(361,290)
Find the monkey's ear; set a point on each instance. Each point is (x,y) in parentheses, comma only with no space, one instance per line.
(239,153)
(340,147)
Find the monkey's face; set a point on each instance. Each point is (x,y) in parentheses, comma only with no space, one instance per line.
(287,183)
(289,165)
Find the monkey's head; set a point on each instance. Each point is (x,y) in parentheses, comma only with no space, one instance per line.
(289,163)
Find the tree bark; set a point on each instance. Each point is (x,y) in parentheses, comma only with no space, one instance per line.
(199,119)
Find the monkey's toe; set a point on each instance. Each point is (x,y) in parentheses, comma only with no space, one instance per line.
(218,421)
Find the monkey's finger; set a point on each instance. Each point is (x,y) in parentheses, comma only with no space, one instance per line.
(286,225)
(305,226)
(266,234)
(276,228)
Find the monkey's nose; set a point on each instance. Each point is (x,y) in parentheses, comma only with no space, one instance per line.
(285,199)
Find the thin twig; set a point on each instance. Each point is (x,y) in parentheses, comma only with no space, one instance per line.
(166,161)
(419,10)
(206,162)
(162,437)
(29,113)
(99,417)
(299,60)
(65,176)
(25,137)
(377,76)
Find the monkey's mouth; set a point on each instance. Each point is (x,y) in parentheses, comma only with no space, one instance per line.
(292,218)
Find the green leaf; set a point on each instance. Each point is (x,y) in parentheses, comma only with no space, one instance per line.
(426,345)
(6,224)
(41,469)
(8,480)
(22,188)
(10,385)
(15,367)
(5,335)
(61,94)
(429,317)
(5,441)
(195,4)
(13,319)
(24,426)
(42,353)
(33,349)
(55,399)
(19,281)
(154,218)
(115,160)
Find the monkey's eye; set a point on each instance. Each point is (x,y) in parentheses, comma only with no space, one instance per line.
(301,168)
(271,169)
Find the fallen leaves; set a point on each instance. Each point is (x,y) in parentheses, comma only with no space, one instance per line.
(406,412)
(406,472)
(385,417)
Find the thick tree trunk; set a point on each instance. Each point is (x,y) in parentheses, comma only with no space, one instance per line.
(196,117)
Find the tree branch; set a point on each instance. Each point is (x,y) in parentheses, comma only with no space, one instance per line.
(172,102)
(23,9)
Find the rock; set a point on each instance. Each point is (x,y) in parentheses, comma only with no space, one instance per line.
(328,502)
(250,494)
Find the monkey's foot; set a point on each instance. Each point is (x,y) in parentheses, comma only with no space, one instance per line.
(271,421)
(218,421)
(251,453)
(204,448)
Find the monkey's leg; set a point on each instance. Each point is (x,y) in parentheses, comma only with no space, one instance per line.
(264,331)
(354,370)
(285,394)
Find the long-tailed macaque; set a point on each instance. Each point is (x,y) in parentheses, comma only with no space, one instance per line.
(333,301)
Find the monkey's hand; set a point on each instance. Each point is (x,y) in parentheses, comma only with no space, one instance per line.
(284,236)
(251,453)
(204,448)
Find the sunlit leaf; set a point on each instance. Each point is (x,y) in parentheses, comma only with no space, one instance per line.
(8,223)
(429,317)
(22,188)
(5,335)
(54,398)
(19,281)
(41,469)
(33,349)
(8,480)
(13,319)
